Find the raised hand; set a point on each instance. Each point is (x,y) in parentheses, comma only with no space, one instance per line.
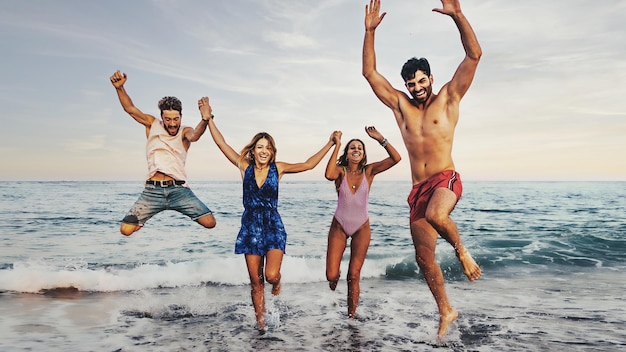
(372,17)
(450,7)
(373,133)
(118,79)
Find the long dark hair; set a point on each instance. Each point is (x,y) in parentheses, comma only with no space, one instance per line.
(343,159)
(247,154)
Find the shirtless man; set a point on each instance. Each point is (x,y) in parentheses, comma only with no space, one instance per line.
(427,121)
(166,153)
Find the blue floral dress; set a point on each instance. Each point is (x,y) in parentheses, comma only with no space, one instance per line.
(262,228)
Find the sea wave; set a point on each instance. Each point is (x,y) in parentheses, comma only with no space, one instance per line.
(497,257)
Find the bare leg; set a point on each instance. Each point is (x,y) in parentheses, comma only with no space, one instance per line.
(336,247)
(128,229)
(207,221)
(257,287)
(272,269)
(438,216)
(444,321)
(425,239)
(358,250)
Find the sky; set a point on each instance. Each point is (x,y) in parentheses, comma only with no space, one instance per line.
(548,101)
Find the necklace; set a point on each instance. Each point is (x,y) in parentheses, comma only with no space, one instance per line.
(356,172)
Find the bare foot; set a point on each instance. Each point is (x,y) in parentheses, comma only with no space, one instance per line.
(333,284)
(444,321)
(470,268)
(276,289)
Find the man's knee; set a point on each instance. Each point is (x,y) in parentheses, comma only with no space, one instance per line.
(129,229)
(425,257)
(130,224)
(436,219)
(207,221)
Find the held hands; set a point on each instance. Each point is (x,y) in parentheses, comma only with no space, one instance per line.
(450,7)
(205,108)
(372,17)
(118,79)
(335,137)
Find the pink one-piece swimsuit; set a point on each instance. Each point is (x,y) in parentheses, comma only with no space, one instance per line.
(351,210)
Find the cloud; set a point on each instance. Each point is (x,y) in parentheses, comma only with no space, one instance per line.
(548,92)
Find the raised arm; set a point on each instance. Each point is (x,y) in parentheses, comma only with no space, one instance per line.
(332,170)
(118,79)
(310,163)
(393,158)
(227,150)
(462,79)
(380,85)
(194,134)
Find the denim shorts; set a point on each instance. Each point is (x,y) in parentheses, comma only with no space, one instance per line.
(155,199)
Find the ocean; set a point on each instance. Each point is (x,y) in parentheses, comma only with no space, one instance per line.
(552,254)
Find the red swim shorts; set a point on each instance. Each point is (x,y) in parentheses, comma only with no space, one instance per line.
(422,192)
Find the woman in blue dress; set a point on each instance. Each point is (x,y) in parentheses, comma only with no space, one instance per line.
(262,236)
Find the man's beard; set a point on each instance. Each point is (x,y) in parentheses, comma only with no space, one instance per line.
(423,99)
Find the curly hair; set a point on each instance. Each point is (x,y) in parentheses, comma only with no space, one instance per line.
(170,103)
(343,159)
(413,65)
(247,153)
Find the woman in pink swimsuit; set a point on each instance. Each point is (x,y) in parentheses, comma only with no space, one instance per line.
(353,178)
